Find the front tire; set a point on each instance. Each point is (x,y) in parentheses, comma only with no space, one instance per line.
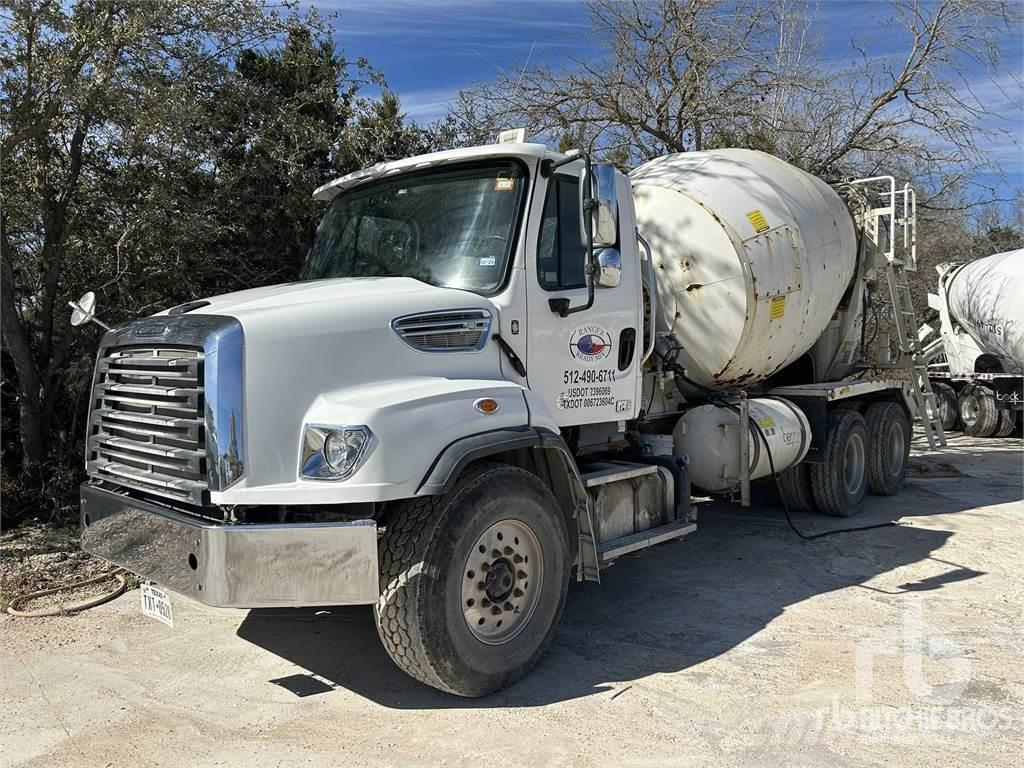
(888,447)
(462,620)
(840,482)
(978,412)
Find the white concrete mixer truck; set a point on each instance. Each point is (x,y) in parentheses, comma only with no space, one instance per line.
(976,361)
(500,365)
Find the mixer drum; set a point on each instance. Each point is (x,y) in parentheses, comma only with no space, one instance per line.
(752,258)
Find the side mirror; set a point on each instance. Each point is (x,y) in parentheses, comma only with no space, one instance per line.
(609,268)
(604,212)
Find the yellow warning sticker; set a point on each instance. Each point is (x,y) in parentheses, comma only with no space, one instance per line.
(758,220)
(778,307)
(766,422)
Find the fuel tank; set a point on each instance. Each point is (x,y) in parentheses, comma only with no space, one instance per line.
(752,258)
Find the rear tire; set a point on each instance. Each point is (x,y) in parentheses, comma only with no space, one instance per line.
(888,447)
(977,407)
(795,488)
(433,576)
(841,483)
(1007,423)
(945,401)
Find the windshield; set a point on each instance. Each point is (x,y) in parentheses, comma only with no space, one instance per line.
(449,226)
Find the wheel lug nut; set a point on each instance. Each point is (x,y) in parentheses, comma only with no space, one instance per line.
(495,610)
(485,567)
(509,550)
(521,575)
(517,592)
(517,559)
(496,553)
(481,586)
(508,606)
(485,603)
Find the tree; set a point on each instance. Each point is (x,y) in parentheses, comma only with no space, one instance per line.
(157,152)
(696,74)
(85,88)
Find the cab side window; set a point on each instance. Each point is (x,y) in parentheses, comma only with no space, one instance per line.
(561,253)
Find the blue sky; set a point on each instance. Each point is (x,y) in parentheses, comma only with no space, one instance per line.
(429,49)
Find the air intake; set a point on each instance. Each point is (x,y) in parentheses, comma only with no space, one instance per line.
(456,330)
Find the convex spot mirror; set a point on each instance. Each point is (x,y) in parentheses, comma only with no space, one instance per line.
(609,268)
(83,310)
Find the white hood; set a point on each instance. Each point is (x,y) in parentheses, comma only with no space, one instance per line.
(312,349)
(389,293)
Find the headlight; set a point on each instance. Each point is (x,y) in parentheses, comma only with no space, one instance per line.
(333,452)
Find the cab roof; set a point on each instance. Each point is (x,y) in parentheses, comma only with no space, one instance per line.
(331,189)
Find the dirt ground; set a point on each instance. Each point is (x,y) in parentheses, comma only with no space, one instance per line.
(739,645)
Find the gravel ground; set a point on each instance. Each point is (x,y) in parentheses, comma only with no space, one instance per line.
(739,645)
(37,557)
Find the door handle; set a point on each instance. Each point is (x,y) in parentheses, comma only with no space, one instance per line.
(627,347)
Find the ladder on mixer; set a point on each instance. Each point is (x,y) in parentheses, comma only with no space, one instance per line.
(900,256)
(913,353)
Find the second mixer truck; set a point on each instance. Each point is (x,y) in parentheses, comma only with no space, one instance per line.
(976,361)
(501,366)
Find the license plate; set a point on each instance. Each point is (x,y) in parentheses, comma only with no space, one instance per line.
(156,603)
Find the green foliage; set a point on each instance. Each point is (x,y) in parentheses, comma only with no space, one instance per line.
(155,152)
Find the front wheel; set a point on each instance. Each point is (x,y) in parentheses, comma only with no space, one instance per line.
(473,582)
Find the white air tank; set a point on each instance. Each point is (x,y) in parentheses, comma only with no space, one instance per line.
(986,297)
(752,257)
(710,436)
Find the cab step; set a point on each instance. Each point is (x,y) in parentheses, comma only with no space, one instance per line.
(634,542)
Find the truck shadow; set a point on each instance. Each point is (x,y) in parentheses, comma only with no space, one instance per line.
(663,611)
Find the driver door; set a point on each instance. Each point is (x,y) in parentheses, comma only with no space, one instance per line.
(585,366)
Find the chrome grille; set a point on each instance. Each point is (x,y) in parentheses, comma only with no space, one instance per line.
(449,331)
(147,427)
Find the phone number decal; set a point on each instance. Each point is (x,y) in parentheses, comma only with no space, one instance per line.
(588,376)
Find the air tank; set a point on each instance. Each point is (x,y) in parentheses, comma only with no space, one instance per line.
(986,298)
(752,258)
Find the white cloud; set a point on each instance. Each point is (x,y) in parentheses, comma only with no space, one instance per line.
(428,104)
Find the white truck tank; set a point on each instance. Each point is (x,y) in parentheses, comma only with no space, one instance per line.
(710,435)
(986,297)
(752,258)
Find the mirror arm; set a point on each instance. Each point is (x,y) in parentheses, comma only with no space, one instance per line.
(561,305)
(547,167)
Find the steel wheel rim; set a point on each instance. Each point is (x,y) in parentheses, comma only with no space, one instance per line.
(501,581)
(969,409)
(853,464)
(896,446)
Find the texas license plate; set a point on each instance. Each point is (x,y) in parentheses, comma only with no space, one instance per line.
(156,603)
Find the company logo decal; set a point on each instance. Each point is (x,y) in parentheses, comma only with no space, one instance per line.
(590,343)
(152,329)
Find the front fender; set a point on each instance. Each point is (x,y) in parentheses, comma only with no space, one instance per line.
(412,419)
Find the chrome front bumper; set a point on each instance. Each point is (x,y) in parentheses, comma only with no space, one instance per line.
(233,566)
